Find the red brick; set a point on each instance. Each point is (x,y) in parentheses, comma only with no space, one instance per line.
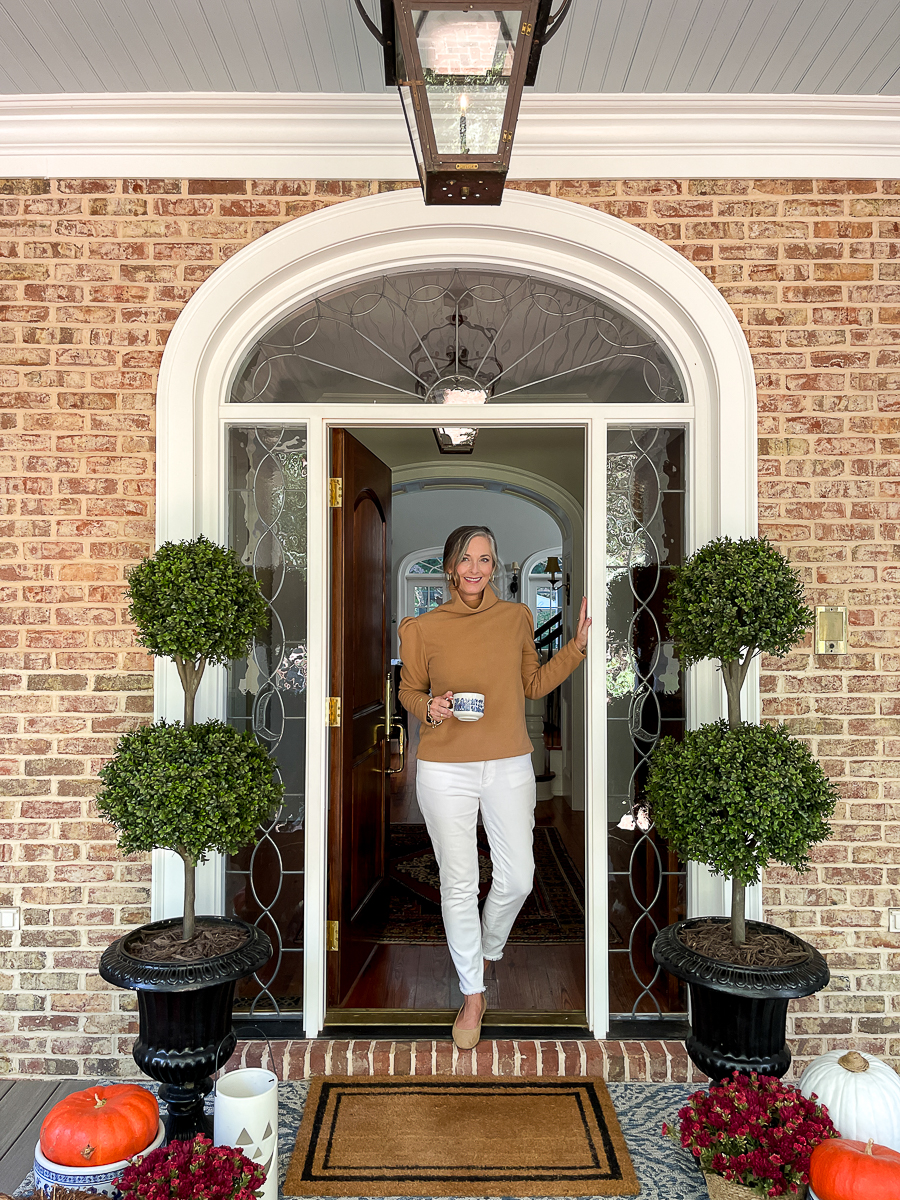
(176,251)
(54,766)
(613,1060)
(464,1062)
(402,1058)
(119,251)
(506,1057)
(528,1057)
(572,1058)
(217,187)
(666,231)
(552,1061)
(484,1058)
(442,1061)
(812,294)
(23,312)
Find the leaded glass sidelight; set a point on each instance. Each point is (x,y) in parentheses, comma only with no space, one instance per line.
(267,693)
(645,701)
(457,336)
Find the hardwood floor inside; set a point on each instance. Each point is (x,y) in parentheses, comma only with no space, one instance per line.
(422,978)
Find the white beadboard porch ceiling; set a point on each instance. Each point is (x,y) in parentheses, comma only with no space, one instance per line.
(762,47)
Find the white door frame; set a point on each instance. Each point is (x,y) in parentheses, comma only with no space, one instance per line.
(573,244)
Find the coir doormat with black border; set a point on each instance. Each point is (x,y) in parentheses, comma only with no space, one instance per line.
(459,1136)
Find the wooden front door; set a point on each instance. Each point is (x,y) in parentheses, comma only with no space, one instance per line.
(359,746)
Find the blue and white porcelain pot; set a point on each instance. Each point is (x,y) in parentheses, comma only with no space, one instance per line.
(48,1175)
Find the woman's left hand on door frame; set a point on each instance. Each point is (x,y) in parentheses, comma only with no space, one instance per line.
(584,624)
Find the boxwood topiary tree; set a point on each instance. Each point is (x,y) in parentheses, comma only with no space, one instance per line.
(196,603)
(185,787)
(731,794)
(188,789)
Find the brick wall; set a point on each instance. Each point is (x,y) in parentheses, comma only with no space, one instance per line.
(93,274)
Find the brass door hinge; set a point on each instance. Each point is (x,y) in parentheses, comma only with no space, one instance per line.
(333,711)
(331,935)
(335,493)
(527,28)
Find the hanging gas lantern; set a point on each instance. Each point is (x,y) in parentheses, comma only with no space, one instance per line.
(460,66)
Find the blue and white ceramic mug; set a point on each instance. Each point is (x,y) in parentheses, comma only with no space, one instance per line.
(468,706)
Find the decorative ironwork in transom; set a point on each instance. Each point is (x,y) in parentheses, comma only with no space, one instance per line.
(461,337)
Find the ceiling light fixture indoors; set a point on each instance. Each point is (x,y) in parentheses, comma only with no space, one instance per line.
(460,66)
(456,389)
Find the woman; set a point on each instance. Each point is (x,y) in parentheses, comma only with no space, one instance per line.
(478,643)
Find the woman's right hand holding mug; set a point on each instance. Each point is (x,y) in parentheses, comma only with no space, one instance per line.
(440,707)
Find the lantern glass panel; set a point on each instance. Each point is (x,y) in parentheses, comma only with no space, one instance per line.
(409,114)
(467,61)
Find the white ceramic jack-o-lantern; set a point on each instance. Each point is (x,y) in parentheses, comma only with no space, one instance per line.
(246,1116)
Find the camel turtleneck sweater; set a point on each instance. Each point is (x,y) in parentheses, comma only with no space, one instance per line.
(489,649)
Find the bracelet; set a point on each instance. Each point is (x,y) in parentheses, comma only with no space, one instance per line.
(430,719)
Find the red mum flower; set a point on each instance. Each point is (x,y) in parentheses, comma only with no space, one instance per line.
(194,1170)
(753,1130)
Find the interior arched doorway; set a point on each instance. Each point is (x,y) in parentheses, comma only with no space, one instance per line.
(583,249)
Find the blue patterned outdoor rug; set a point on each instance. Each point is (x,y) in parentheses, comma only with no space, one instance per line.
(664,1171)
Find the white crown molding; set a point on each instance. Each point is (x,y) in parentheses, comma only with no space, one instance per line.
(231,135)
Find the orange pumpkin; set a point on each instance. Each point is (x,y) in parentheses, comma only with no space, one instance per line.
(840,1169)
(100,1126)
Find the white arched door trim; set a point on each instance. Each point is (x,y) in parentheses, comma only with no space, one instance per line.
(396,231)
(557,239)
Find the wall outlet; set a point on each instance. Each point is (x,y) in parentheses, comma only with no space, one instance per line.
(9,918)
(894,920)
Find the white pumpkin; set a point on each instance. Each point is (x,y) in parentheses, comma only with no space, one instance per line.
(861,1093)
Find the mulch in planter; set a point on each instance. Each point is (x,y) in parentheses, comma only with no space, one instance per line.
(763,948)
(167,945)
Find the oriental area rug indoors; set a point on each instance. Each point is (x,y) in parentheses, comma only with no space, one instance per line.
(459,1136)
(552,914)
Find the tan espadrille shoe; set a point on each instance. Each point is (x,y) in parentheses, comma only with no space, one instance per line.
(468,1039)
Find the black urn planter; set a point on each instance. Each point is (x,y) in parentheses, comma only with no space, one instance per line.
(739,1014)
(185,1014)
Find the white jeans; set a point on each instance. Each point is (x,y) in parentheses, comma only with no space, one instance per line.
(449,796)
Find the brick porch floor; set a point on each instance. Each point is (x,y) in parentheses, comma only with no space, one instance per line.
(646,1062)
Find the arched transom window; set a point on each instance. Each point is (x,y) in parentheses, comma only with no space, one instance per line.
(457,336)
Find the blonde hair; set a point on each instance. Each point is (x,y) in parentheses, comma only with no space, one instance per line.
(458,543)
